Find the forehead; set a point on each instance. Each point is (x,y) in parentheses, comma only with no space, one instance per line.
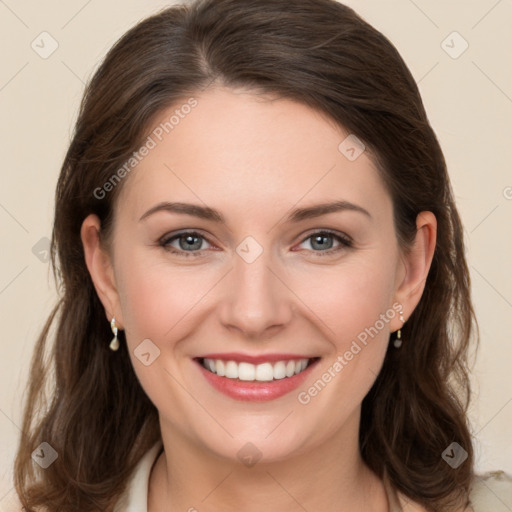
(235,147)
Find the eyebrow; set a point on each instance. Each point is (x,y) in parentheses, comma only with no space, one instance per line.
(297,215)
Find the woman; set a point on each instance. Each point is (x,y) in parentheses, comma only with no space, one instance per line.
(265,301)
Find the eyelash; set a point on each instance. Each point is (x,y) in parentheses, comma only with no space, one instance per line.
(345,243)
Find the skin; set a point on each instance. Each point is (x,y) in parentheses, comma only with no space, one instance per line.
(255,159)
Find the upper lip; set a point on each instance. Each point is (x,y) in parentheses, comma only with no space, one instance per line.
(259,359)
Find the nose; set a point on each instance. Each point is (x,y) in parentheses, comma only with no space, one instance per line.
(256,300)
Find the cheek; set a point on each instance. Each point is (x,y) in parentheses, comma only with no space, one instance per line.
(355,305)
(350,297)
(156,299)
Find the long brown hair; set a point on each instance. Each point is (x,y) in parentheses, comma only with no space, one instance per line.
(86,401)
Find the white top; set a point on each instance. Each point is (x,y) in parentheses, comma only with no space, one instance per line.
(491,492)
(135,498)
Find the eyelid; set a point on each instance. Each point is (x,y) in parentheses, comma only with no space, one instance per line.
(334,233)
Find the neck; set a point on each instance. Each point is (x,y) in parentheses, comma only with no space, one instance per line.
(330,477)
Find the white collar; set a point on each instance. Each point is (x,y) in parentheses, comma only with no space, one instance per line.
(136,497)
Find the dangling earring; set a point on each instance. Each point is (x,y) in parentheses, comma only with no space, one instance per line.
(114,344)
(398,340)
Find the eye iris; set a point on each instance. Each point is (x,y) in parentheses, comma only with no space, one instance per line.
(189,240)
(323,245)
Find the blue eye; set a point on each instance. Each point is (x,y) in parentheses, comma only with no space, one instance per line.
(319,238)
(190,243)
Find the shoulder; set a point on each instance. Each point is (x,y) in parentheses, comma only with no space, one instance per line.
(491,491)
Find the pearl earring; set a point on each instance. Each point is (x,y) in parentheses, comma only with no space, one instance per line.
(398,340)
(114,344)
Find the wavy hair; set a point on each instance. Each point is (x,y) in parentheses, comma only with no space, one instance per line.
(86,401)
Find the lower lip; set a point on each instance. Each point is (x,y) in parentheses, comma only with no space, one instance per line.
(256,391)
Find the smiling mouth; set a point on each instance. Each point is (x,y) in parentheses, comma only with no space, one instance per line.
(264,372)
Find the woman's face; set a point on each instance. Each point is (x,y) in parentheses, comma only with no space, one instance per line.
(257,282)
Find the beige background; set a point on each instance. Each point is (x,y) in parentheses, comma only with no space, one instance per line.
(469,101)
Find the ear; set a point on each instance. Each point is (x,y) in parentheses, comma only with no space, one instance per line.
(416,265)
(99,264)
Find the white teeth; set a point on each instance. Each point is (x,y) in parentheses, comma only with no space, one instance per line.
(264,372)
(246,371)
(279,370)
(231,370)
(219,367)
(250,372)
